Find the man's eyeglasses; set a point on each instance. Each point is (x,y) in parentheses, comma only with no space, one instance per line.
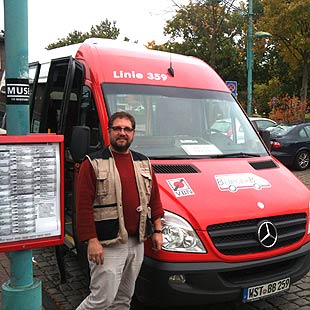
(119,129)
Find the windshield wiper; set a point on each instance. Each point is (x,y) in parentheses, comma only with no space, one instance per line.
(237,155)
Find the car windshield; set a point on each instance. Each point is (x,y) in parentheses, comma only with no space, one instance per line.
(181,123)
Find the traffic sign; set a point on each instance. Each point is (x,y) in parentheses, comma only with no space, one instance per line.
(232,85)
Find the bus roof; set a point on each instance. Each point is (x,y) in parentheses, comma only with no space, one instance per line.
(113,61)
(120,62)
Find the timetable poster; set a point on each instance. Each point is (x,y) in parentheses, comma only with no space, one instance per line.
(29,191)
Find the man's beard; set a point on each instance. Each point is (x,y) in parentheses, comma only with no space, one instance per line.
(120,148)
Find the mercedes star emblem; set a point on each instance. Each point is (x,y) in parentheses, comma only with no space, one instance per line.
(267,234)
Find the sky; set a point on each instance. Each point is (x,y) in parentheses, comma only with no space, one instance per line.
(48,21)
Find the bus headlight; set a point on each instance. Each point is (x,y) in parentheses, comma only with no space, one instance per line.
(179,236)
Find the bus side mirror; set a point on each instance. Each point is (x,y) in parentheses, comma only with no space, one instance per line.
(80,141)
(265,134)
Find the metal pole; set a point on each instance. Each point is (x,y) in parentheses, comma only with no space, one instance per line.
(16,62)
(21,291)
(250,58)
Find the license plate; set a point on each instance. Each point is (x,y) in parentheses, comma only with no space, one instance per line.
(261,291)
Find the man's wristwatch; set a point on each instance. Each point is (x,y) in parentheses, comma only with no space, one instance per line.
(157,231)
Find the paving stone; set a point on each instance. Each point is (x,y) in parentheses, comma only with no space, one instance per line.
(303,293)
(263,305)
(301,302)
(304,286)
(291,297)
(276,301)
(75,300)
(294,289)
(52,290)
(76,285)
(289,306)
(44,264)
(59,297)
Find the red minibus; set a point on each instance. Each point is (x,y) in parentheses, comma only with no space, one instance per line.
(236,223)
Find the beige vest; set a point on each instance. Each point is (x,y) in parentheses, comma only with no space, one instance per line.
(108,208)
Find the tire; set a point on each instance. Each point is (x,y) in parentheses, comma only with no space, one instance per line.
(302,160)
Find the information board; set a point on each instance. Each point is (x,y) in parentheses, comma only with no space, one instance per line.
(30,192)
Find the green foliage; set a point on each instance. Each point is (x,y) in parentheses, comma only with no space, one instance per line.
(289,23)
(262,94)
(212,31)
(206,29)
(216,32)
(105,29)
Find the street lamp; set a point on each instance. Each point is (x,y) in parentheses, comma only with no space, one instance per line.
(250,55)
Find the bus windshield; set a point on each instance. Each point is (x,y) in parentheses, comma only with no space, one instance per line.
(182,123)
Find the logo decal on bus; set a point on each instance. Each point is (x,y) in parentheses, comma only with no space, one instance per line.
(180,187)
(236,181)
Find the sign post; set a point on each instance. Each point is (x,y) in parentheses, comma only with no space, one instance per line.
(16,66)
(21,291)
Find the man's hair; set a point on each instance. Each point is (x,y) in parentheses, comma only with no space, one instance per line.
(122,114)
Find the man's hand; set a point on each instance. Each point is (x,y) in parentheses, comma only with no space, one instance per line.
(95,251)
(157,239)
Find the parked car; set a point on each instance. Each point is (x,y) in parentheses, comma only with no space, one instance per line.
(225,127)
(261,123)
(290,144)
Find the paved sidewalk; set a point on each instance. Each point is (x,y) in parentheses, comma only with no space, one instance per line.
(5,276)
(57,296)
(304,176)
